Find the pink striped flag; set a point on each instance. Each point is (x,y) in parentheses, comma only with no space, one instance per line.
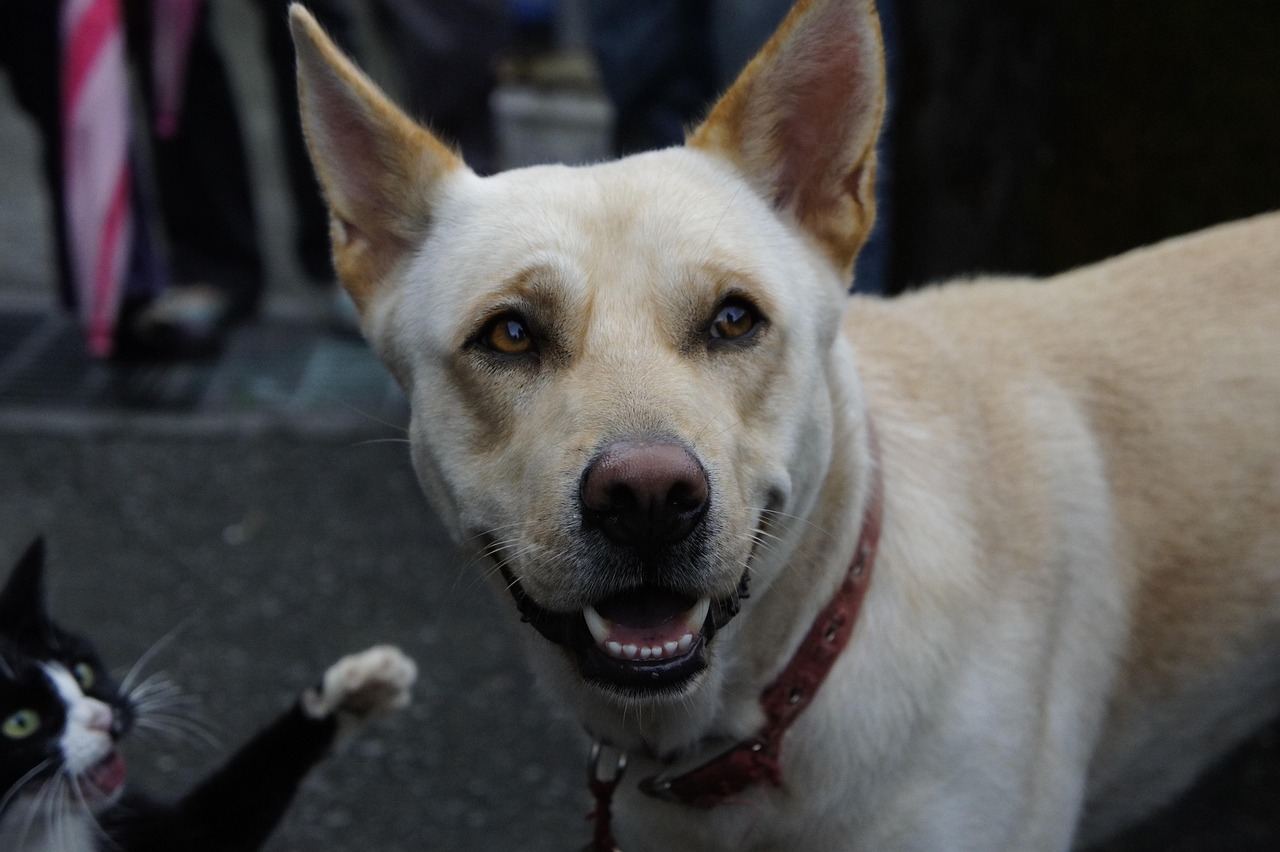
(95,156)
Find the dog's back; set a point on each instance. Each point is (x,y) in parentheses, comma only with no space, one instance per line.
(1141,395)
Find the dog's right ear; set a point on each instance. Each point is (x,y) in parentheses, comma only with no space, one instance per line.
(802,119)
(379,170)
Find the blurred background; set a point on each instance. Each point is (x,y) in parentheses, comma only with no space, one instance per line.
(228,460)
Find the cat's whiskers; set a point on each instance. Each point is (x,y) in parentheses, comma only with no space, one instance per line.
(161,706)
(63,810)
(156,647)
(78,790)
(179,728)
(158,688)
(58,812)
(40,802)
(22,782)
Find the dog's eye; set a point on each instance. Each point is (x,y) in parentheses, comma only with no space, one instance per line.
(736,319)
(507,334)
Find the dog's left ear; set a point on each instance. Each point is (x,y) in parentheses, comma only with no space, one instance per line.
(379,170)
(801,122)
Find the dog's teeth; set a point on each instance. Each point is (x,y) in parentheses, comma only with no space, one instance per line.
(695,617)
(597,624)
(601,628)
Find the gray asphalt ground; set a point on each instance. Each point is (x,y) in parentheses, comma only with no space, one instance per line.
(265,515)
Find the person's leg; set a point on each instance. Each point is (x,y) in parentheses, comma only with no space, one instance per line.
(447,50)
(655,62)
(312,237)
(29,51)
(202,176)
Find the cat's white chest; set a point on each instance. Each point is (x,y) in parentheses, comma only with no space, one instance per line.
(65,832)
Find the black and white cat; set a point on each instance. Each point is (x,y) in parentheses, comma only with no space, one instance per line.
(62,779)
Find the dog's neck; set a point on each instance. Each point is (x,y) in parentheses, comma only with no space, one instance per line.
(815,568)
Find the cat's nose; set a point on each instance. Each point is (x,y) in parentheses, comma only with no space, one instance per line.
(99,717)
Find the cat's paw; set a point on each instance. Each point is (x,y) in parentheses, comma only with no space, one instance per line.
(363,685)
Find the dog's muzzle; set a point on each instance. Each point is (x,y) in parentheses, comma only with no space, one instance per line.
(643,506)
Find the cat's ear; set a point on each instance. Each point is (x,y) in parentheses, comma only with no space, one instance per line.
(22,601)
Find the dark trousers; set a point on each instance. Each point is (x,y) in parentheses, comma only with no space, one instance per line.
(201,176)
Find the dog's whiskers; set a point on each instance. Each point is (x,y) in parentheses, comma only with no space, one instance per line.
(491,532)
(704,433)
(489,551)
(366,415)
(504,563)
(368,441)
(775,513)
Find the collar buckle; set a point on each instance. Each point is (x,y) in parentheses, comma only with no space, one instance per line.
(606,764)
(604,770)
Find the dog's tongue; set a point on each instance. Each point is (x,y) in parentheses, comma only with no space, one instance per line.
(644,608)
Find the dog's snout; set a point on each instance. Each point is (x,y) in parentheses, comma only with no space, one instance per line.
(644,494)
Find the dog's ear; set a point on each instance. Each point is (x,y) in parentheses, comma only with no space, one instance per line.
(801,122)
(378,169)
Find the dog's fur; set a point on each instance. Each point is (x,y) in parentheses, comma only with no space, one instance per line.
(1076,603)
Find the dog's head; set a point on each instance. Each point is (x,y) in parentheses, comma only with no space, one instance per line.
(619,374)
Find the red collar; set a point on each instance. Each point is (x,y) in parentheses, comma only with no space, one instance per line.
(758,759)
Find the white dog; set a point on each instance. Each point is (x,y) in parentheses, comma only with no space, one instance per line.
(993,566)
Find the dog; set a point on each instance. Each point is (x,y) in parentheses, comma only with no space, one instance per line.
(992,566)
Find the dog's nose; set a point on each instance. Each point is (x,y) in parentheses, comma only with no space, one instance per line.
(644,494)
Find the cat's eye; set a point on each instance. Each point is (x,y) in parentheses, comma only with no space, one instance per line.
(508,334)
(84,675)
(736,319)
(21,725)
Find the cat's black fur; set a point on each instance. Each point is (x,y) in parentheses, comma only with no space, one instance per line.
(233,809)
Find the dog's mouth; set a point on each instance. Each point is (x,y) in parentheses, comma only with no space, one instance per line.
(646,624)
(643,640)
(646,638)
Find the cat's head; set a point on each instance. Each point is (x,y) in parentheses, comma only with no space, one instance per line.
(61,712)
